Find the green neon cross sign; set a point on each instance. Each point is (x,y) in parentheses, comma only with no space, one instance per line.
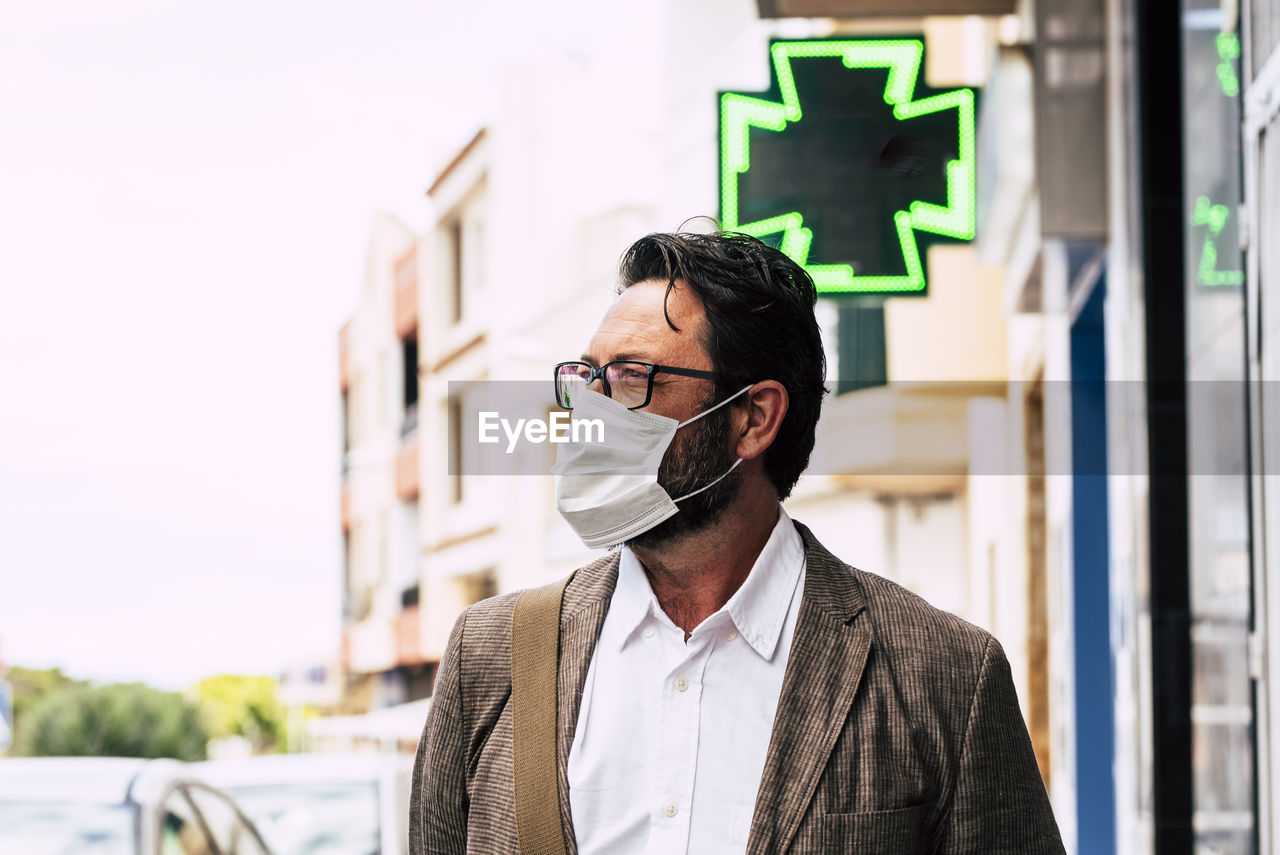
(1228,55)
(871,165)
(1215,217)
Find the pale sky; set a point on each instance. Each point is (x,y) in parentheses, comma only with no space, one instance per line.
(186,191)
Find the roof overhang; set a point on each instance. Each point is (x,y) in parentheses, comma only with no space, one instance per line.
(466,153)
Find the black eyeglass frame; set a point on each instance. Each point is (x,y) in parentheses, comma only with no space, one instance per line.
(651,369)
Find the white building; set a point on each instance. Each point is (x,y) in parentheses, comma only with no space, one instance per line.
(378,357)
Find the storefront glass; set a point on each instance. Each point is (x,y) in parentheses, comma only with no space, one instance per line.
(1218,487)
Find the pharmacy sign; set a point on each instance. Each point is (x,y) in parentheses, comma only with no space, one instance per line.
(849,164)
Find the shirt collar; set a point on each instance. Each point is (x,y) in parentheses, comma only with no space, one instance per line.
(633,598)
(758,608)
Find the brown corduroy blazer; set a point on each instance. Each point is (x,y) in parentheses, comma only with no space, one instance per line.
(898,730)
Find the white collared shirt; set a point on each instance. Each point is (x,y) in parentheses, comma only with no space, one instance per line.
(671,736)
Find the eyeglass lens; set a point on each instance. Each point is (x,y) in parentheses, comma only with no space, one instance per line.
(625,382)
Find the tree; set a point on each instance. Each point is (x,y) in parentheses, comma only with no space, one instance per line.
(122,720)
(31,685)
(244,706)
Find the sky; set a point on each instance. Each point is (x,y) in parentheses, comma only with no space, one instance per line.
(186,193)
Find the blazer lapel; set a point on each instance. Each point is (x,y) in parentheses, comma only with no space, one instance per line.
(582,612)
(824,669)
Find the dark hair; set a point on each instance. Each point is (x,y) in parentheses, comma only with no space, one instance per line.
(760,326)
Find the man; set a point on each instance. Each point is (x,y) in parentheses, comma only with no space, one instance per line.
(725,684)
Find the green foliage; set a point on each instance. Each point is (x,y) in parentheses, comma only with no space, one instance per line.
(31,685)
(244,706)
(123,720)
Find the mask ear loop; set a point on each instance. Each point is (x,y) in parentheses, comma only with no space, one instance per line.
(712,484)
(735,463)
(713,409)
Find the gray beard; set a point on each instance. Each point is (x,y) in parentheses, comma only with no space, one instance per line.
(691,463)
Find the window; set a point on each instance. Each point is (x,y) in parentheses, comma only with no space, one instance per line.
(346,573)
(418,682)
(478,586)
(860,345)
(455,446)
(409,398)
(405,548)
(359,598)
(1220,588)
(409,354)
(461,243)
(346,427)
(454,252)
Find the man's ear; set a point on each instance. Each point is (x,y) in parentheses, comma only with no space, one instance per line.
(766,405)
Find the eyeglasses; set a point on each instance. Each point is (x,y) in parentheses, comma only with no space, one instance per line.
(629,383)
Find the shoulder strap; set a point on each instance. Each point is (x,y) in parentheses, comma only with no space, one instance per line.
(535,655)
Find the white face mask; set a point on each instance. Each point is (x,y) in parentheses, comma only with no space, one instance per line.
(608,491)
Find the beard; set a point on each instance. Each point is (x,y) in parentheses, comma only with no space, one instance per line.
(699,455)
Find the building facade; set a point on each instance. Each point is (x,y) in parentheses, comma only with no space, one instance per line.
(382,658)
(1065,439)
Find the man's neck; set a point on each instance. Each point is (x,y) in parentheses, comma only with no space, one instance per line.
(694,577)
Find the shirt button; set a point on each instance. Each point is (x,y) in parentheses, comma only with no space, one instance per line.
(681,685)
(648,632)
(669,809)
(731,636)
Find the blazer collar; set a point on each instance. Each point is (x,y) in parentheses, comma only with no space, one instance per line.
(836,591)
(828,654)
(824,668)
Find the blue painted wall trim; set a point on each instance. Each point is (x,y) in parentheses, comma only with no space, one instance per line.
(1094,670)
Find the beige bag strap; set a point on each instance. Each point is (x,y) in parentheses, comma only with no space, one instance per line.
(535,656)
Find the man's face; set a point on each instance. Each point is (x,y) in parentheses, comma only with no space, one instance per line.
(635,327)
